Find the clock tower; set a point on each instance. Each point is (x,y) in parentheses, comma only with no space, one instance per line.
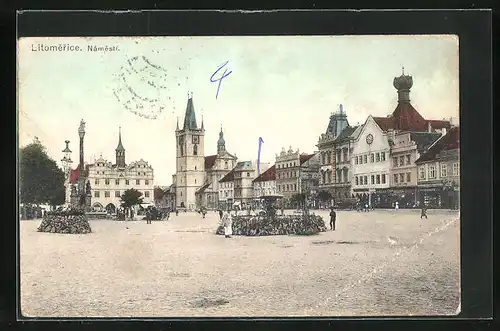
(190,160)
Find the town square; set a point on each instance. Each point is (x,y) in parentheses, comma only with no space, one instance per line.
(191,187)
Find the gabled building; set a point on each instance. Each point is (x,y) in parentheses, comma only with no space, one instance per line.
(108,181)
(439,172)
(371,161)
(265,184)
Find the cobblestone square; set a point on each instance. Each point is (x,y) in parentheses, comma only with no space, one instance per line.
(377,263)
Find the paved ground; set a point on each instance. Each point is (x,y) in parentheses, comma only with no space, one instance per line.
(376,263)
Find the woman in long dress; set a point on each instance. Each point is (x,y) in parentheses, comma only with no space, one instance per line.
(227,222)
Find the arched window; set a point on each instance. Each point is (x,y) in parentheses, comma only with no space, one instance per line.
(195,149)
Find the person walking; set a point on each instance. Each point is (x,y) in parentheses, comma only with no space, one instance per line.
(177,212)
(221,213)
(333,217)
(396,206)
(227,223)
(423,212)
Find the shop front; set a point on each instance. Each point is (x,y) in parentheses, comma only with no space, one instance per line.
(431,197)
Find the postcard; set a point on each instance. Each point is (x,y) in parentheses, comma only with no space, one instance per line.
(239,176)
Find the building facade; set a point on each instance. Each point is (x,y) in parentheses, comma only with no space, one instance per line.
(370,164)
(109,181)
(326,148)
(439,173)
(294,174)
(405,149)
(216,167)
(265,184)
(344,148)
(226,190)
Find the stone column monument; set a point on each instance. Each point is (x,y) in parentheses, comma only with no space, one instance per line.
(81,197)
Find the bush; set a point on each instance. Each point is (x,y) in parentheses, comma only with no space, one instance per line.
(65,222)
(279,225)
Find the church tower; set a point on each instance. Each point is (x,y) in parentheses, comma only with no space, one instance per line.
(221,143)
(190,165)
(120,151)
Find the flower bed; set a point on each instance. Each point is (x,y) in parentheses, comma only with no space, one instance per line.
(69,221)
(279,225)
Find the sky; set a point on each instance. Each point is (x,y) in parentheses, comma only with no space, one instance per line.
(280,88)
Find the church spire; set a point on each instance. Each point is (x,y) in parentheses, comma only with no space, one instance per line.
(202,126)
(120,150)
(190,117)
(221,143)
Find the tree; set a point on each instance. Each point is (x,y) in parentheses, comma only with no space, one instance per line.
(158,194)
(40,179)
(131,198)
(324,196)
(298,199)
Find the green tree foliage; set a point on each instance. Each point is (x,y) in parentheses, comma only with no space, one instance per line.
(41,180)
(298,199)
(131,198)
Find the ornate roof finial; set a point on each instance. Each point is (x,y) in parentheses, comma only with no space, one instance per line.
(403,70)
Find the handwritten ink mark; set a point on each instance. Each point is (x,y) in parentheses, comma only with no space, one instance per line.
(261,141)
(224,75)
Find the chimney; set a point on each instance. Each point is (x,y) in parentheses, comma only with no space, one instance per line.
(429,127)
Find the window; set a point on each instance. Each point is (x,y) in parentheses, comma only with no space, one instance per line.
(394,162)
(225,165)
(248,174)
(117,182)
(408,177)
(106,194)
(402,178)
(146,182)
(195,180)
(137,182)
(356,160)
(127,182)
(195,149)
(194,167)
(401,160)
(456,169)
(378,179)
(377,157)
(408,159)
(383,178)
(396,178)
(366,180)
(365,158)
(96,181)
(382,156)
(117,194)
(146,194)
(357,180)
(181,194)
(421,172)
(443,170)
(373,179)
(106,181)
(432,171)
(372,158)
(96,194)
(295,187)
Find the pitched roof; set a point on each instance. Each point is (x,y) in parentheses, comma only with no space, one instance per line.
(269,174)
(305,157)
(229,177)
(424,139)
(203,187)
(450,141)
(210,161)
(407,118)
(346,133)
(74,174)
(190,117)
